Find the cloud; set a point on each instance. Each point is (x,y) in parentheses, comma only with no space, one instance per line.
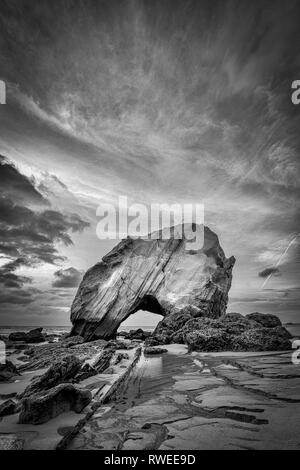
(31,235)
(268,271)
(17,297)
(67,278)
(29,232)
(18,187)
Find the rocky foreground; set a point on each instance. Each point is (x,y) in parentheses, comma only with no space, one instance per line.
(46,389)
(129,394)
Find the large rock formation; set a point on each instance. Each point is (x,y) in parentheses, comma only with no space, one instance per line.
(161,276)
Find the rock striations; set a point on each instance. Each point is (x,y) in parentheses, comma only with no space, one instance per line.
(161,276)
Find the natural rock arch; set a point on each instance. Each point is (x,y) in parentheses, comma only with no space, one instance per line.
(108,328)
(150,306)
(160,276)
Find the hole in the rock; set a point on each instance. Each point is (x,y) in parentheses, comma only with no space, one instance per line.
(145,320)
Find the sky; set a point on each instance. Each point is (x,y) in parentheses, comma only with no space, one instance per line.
(164,101)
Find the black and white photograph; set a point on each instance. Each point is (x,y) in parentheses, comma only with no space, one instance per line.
(149,227)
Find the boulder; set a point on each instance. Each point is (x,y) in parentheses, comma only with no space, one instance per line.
(38,409)
(231,332)
(19,336)
(7,408)
(7,371)
(35,336)
(61,371)
(160,274)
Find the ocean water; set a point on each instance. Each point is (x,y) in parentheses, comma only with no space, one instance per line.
(6,330)
(293,328)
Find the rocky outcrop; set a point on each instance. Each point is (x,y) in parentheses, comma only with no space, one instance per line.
(60,372)
(162,276)
(45,355)
(38,409)
(33,336)
(231,332)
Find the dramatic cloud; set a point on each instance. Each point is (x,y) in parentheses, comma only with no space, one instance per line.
(29,233)
(268,271)
(67,278)
(16,186)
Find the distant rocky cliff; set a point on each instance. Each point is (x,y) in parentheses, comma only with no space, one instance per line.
(161,276)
